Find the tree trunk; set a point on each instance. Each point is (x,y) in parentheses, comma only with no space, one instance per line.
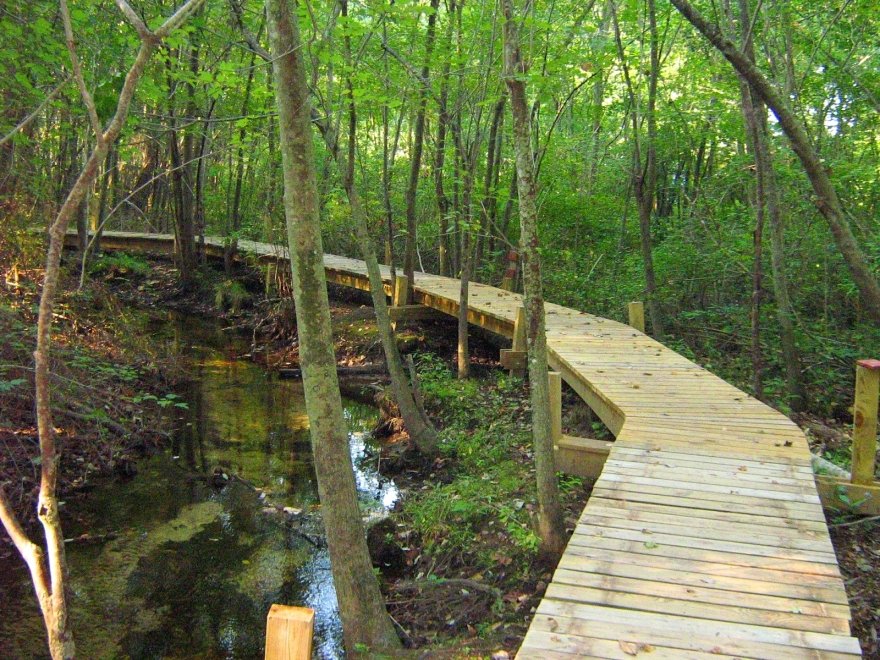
(468,249)
(361,606)
(419,427)
(827,201)
(488,201)
(645,173)
(409,257)
(49,571)
(184,236)
(440,153)
(748,110)
(767,194)
(550,520)
(647,183)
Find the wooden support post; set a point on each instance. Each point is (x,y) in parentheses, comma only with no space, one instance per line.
(271,268)
(400,295)
(509,279)
(516,357)
(554,379)
(519,330)
(864,449)
(289,633)
(637,315)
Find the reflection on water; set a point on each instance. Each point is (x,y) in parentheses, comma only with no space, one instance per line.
(190,570)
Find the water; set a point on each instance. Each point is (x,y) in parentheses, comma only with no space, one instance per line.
(191,570)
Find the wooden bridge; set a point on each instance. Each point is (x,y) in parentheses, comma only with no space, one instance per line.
(704,535)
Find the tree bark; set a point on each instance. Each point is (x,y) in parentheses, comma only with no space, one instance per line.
(645,173)
(827,201)
(409,257)
(419,427)
(550,520)
(768,197)
(440,153)
(361,606)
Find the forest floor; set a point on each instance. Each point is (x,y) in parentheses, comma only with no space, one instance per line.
(458,555)
(108,390)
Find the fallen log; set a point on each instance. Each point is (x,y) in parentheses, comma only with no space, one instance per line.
(341,370)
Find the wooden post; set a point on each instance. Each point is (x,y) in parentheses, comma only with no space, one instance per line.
(519,330)
(518,355)
(555,382)
(864,449)
(289,633)
(637,315)
(400,295)
(508,281)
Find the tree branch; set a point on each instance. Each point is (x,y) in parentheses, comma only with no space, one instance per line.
(78,74)
(24,123)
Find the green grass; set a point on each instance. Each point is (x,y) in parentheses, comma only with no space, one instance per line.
(120,263)
(486,439)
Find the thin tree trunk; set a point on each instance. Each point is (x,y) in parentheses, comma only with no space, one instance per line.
(488,201)
(645,173)
(418,425)
(409,257)
(440,152)
(748,110)
(182,202)
(550,520)
(827,201)
(468,249)
(49,572)
(768,194)
(362,609)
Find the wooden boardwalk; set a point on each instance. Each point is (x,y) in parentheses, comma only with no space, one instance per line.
(704,535)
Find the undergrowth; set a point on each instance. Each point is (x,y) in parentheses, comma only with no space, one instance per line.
(488,491)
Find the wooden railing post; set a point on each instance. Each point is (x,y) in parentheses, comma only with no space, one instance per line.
(554,379)
(509,279)
(637,315)
(864,449)
(519,330)
(515,358)
(400,292)
(289,633)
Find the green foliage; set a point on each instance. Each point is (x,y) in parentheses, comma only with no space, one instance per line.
(103,369)
(9,385)
(484,433)
(231,295)
(165,401)
(120,264)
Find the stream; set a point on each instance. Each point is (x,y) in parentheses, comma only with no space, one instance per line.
(190,569)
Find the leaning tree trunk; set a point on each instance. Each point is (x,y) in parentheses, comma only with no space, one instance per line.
(550,519)
(361,607)
(827,201)
(419,427)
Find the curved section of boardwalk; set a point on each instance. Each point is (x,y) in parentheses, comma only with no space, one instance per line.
(704,535)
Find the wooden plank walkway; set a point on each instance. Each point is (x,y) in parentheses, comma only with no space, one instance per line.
(704,535)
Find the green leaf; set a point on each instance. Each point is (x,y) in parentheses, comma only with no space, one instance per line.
(8,385)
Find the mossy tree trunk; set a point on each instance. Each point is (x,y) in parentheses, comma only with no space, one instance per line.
(550,520)
(361,607)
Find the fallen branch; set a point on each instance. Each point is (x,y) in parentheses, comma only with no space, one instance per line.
(856,522)
(464,583)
